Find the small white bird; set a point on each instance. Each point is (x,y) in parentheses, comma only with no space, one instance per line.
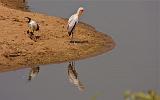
(33,72)
(33,26)
(73,76)
(73,21)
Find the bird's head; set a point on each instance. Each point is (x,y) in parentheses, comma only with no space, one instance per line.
(28,19)
(80,11)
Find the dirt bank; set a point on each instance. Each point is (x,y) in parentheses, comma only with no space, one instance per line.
(16,4)
(17,50)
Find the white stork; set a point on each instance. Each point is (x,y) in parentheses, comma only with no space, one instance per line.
(73,21)
(73,76)
(33,26)
(33,72)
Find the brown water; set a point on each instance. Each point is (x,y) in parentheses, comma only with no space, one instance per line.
(132,65)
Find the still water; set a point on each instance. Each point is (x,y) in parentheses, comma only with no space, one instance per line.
(132,65)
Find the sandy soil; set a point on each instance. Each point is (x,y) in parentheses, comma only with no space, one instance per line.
(16,4)
(52,44)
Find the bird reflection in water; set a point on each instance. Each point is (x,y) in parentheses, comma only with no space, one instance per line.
(73,76)
(33,72)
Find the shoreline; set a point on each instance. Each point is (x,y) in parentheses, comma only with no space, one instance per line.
(19,51)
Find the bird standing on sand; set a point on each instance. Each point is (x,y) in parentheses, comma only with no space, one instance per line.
(33,72)
(33,26)
(73,21)
(73,76)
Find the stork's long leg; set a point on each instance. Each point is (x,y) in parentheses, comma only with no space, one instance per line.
(72,63)
(74,66)
(29,30)
(72,37)
(33,31)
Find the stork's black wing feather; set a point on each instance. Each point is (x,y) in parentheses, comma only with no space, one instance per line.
(70,32)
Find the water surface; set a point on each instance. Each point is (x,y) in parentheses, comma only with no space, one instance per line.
(132,65)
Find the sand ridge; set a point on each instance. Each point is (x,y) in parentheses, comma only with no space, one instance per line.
(52,45)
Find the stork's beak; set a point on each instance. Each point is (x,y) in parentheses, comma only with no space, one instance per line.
(81,12)
(27,17)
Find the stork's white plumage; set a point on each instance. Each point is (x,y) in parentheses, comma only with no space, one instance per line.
(73,76)
(33,25)
(33,72)
(73,21)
